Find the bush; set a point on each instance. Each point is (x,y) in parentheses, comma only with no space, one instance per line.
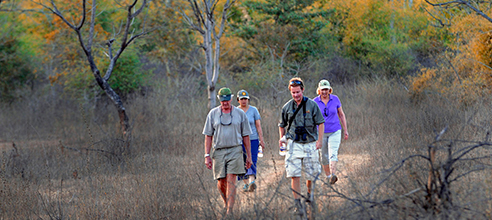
(16,71)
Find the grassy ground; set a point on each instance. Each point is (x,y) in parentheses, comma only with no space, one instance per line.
(70,163)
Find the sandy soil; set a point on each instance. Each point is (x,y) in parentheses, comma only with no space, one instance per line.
(271,177)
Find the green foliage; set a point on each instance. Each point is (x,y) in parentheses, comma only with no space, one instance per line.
(170,43)
(16,71)
(127,78)
(389,59)
(16,63)
(281,29)
(386,37)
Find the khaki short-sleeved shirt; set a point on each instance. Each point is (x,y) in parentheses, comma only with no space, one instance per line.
(225,134)
(309,120)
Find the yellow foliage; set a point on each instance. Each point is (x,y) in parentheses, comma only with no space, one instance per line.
(50,36)
(481,46)
(465,71)
(444,81)
(424,81)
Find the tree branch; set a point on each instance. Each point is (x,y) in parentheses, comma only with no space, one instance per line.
(460,2)
(198,16)
(125,41)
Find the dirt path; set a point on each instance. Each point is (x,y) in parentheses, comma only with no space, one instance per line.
(271,177)
(270,170)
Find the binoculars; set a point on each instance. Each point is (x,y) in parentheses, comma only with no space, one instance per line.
(301,134)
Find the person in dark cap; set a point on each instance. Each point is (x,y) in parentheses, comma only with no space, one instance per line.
(256,139)
(226,130)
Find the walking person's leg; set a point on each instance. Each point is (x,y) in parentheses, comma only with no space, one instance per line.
(253,169)
(312,166)
(309,185)
(220,173)
(324,154)
(222,186)
(231,192)
(296,187)
(293,168)
(235,166)
(334,145)
(244,177)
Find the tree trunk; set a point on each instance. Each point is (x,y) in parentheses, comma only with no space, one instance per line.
(209,66)
(127,37)
(211,96)
(124,120)
(206,26)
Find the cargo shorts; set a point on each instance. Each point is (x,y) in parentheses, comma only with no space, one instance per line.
(228,161)
(302,157)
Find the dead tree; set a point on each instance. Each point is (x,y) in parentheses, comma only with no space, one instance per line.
(205,23)
(117,44)
(447,162)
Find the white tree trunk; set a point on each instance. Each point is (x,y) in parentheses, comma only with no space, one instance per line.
(205,23)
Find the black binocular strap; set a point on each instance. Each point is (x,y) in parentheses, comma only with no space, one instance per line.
(303,102)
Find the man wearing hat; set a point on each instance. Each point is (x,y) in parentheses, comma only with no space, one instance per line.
(226,129)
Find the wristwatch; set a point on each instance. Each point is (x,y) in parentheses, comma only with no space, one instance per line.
(207,155)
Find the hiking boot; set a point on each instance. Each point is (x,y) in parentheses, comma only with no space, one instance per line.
(333,179)
(246,187)
(252,186)
(308,198)
(298,209)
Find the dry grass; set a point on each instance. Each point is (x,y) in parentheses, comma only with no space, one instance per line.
(161,174)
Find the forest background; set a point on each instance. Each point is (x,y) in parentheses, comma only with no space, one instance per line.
(414,80)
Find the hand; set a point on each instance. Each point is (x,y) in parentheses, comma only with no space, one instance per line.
(345,135)
(249,162)
(262,144)
(318,145)
(208,162)
(281,141)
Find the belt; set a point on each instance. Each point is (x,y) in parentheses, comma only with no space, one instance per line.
(222,148)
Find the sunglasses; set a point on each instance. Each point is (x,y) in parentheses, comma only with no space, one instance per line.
(230,119)
(296,82)
(325,112)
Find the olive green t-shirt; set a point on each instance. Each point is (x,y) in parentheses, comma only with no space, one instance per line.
(310,119)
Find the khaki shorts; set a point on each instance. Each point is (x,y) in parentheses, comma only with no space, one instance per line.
(302,157)
(329,149)
(228,161)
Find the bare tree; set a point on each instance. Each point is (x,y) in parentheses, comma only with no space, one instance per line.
(479,7)
(124,39)
(447,162)
(205,23)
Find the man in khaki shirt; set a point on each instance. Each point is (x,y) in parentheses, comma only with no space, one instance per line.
(227,128)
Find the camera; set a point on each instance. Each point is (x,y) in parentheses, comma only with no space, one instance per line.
(301,134)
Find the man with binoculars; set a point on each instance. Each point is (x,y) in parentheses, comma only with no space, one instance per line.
(301,116)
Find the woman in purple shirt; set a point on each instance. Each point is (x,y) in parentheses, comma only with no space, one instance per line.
(330,106)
